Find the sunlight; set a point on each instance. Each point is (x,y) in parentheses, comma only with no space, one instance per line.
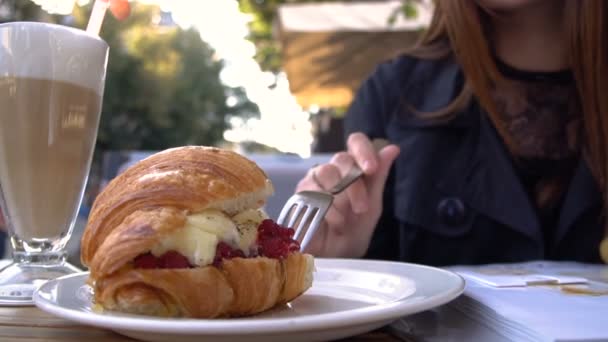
(61,7)
(282,124)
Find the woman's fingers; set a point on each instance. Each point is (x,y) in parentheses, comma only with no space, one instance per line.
(357,192)
(363,151)
(376,183)
(358,195)
(335,219)
(326,176)
(350,222)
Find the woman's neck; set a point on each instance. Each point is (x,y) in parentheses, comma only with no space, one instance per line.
(531,38)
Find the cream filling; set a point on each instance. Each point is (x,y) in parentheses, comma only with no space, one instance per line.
(199,237)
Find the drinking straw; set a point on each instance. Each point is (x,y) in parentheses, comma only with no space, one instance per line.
(99,11)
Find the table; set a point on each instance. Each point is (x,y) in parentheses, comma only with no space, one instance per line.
(30,324)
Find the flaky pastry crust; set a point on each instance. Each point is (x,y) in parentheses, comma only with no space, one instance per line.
(151,200)
(240,287)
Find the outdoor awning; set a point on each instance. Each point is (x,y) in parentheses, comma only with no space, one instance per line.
(329,48)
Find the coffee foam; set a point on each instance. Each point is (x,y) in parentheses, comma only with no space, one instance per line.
(53,52)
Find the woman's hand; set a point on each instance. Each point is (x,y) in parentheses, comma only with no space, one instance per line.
(120,9)
(352,218)
(2,223)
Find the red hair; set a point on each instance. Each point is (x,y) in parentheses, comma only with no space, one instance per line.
(459,28)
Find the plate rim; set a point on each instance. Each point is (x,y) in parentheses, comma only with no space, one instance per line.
(227,326)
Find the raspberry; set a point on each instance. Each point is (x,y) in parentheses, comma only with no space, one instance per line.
(274,248)
(146,261)
(275,241)
(237,253)
(225,251)
(287,233)
(254,252)
(266,227)
(173,259)
(294,246)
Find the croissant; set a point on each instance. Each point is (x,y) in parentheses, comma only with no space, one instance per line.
(180,234)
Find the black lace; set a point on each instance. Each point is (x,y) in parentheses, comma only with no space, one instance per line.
(542,116)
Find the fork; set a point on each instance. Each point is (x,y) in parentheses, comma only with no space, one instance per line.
(305,210)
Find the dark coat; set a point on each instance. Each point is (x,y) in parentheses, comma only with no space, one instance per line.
(453,196)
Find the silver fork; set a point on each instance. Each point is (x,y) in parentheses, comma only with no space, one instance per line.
(305,210)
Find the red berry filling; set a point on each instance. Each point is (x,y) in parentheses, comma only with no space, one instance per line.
(273,241)
(146,261)
(225,251)
(170,259)
(173,259)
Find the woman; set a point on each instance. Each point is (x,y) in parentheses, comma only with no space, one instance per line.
(498,124)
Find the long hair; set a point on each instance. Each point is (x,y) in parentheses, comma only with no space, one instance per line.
(459,28)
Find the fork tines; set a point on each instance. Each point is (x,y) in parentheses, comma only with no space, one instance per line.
(304,212)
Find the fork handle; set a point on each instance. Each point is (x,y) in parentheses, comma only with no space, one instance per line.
(355,171)
(353,174)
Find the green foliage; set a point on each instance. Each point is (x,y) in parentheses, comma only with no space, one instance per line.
(18,10)
(162,86)
(408,10)
(263,13)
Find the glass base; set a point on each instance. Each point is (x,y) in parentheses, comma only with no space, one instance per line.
(19,280)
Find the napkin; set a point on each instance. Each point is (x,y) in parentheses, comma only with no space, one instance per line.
(519,275)
(537,301)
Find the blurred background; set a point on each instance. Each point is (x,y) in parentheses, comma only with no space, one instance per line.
(270,79)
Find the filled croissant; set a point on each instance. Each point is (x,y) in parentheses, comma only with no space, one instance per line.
(181,234)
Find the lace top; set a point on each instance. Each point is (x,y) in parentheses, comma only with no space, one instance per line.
(541,114)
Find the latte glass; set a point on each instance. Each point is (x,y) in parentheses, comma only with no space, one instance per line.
(51,85)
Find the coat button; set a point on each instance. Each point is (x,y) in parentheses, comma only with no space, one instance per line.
(451,211)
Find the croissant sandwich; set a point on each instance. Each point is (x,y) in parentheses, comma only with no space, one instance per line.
(181,234)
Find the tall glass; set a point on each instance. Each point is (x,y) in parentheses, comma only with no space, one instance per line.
(51,85)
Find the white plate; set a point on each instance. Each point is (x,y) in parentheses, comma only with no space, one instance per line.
(348,297)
